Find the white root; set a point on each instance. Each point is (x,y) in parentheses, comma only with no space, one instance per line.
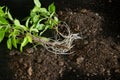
(62,47)
(59,46)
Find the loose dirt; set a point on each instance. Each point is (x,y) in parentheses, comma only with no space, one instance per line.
(95,57)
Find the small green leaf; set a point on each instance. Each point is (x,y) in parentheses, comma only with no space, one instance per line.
(3,20)
(32,14)
(43,10)
(46,27)
(29,38)
(2,34)
(35,9)
(55,22)
(36,18)
(24,43)
(37,3)
(56,19)
(14,42)
(9,15)
(34,30)
(51,8)
(9,43)
(24,27)
(17,22)
(40,26)
(2,14)
(18,26)
(27,22)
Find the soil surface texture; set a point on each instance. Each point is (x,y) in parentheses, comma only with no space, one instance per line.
(95,57)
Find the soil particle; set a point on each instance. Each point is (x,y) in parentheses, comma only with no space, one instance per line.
(30,71)
(79,60)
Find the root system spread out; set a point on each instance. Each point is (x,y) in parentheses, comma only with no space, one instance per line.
(95,46)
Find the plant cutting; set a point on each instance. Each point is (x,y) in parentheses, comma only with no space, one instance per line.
(36,24)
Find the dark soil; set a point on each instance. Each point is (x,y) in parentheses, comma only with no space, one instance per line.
(95,57)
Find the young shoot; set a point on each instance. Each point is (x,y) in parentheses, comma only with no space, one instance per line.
(37,24)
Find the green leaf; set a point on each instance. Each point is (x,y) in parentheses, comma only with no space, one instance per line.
(19,26)
(56,19)
(27,22)
(2,14)
(43,10)
(29,38)
(17,22)
(33,30)
(54,22)
(32,14)
(14,42)
(2,34)
(46,27)
(3,20)
(36,18)
(40,26)
(24,27)
(24,43)
(37,3)
(9,15)
(51,8)
(35,9)
(9,43)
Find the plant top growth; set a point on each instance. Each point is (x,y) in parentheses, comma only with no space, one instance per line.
(36,24)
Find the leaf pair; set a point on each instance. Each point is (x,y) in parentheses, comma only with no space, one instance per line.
(11,41)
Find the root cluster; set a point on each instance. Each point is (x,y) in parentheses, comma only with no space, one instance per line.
(57,45)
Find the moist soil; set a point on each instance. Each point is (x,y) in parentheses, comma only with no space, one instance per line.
(95,57)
